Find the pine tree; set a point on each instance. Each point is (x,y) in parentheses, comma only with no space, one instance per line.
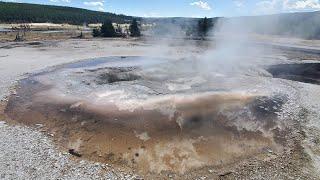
(134,29)
(204,26)
(107,29)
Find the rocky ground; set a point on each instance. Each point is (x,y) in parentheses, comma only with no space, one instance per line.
(30,153)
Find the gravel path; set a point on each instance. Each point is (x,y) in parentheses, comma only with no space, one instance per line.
(29,154)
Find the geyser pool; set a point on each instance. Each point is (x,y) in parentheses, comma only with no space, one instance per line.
(152,114)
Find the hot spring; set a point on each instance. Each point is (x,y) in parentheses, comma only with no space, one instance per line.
(154,114)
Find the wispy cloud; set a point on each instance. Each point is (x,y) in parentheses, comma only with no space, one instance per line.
(238,3)
(303,4)
(94,3)
(60,1)
(98,5)
(201,4)
(274,6)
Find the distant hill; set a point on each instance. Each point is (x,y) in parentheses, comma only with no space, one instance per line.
(27,13)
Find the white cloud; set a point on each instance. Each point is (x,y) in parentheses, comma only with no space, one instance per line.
(60,1)
(100,9)
(273,6)
(304,4)
(97,5)
(201,4)
(93,3)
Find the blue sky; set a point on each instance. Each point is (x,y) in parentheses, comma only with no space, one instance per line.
(188,8)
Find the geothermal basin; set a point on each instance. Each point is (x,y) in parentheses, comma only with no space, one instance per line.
(154,114)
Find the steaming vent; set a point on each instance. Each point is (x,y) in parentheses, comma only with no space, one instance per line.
(113,75)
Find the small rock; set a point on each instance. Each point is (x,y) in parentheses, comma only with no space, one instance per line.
(74,152)
(96,164)
(39,125)
(2,124)
(225,173)
(127,176)
(270,151)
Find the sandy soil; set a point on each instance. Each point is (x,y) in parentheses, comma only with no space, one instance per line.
(40,159)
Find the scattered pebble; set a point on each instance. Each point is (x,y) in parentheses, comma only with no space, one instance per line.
(29,154)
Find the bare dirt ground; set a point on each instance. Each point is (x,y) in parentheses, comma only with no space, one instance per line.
(44,35)
(30,152)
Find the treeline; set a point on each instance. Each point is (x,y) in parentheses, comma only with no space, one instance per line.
(180,27)
(35,13)
(108,30)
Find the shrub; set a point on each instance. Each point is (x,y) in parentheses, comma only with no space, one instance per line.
(96,32)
